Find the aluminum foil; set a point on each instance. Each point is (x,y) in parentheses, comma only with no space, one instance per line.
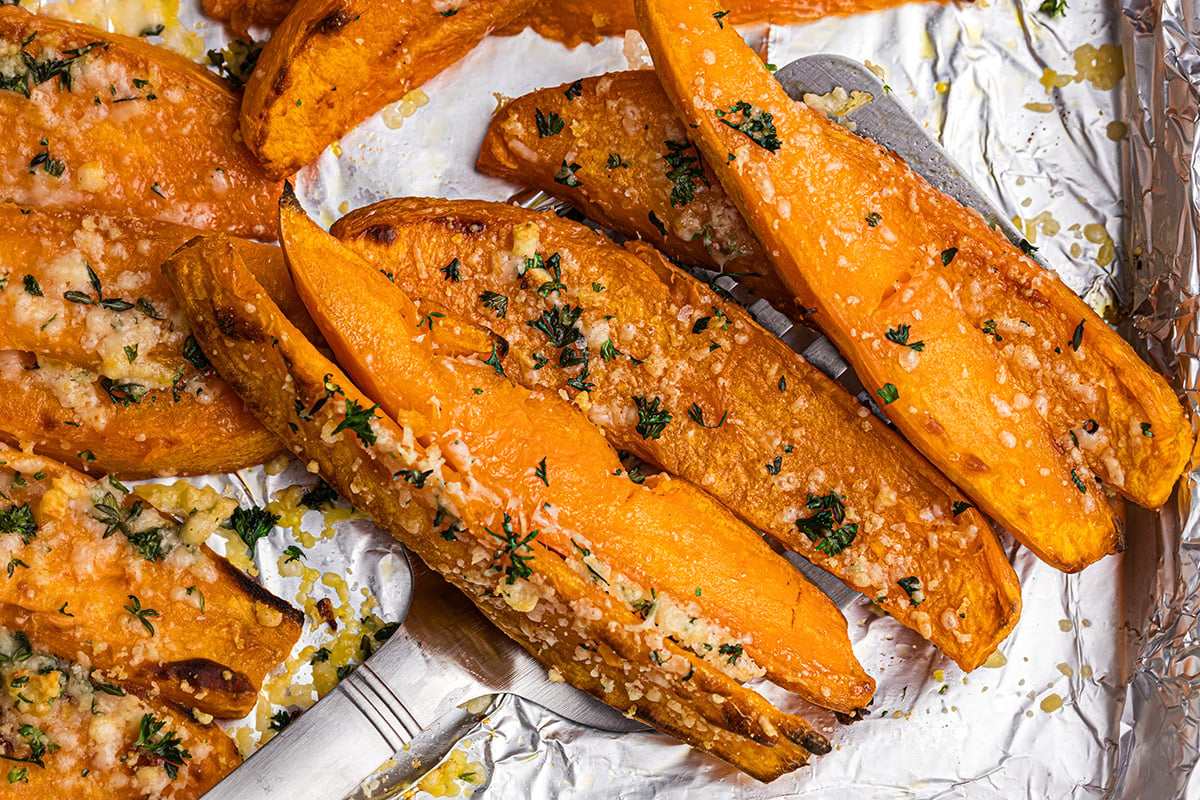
(1073,127)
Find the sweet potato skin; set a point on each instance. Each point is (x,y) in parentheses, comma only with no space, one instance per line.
(278,372)
(1014,365)
(333,63)
(725,434)
(211,655)
(620,137)
(84,721)
(108,145)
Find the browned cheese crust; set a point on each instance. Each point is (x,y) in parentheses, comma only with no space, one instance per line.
(1019,393)
(590,638)
(76,577)
(66,731)
(116,125)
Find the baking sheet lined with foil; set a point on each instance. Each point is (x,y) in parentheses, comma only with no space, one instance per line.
(1034,109)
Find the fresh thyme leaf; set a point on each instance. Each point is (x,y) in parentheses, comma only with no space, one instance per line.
(888,394)
(566,174)
(558,324)
(540,472)
(547,124)
(123,392)
(822,527)
(989,327)
(319,496)
(415,477)
(32,287)
(720,16)
(734,651)
(518,563)
(493,361)
(451,271)
(115,516)
(293,553)
(1077,336)
(948,255)
(912,588)
(131,353)
(757,124)
(142,614)
(358,420)
(19,520)
(686,172)
(774,465)
(148,543)
(252,524)
(165,746)
(696,414)
(281,719)
(652,417)
(574,90)
(143,305)
(1079,484)
(496,302)
(609,351)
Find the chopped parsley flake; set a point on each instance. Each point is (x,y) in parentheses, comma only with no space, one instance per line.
(518,563)
(1146,430)
(616,162)
(32,287)
(547,124)
(540,472)
(912,587)
(757,124)
(774,465)
(899,335)
(566,174)
(496,302)
(1053,8)
(948,255)
(888,394)
(358,420)
(959,506)
(1079,484)
(19,520)
(825,528)
(734,651)
(559,325)
(874,218)
(574,90)
(252,524)
(989,327)
(652,417)
(686,172)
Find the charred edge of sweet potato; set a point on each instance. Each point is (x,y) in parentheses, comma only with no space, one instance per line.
(257,593)
(207,675)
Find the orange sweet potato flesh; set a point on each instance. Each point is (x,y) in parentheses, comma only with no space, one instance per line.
(638,172)
(670,336)
(574,23)
(575,626)
(85,721)
(1015,368)
(70,590)
(64,412)
(652,536)
(333,63)
(129,129)
(131,328)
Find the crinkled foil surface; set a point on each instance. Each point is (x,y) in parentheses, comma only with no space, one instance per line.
(1083,129)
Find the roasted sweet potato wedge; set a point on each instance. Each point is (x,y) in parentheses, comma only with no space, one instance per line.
(92,572)
(333,63)
(109,123)
(85,288)
(993,368)
(71,414)
(575,23)
(648,537)
(66,731)
(612,146)
(746,418)
(544,598)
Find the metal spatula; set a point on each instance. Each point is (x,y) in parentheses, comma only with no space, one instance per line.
(445,654)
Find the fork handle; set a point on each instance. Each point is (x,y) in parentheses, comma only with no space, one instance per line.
(331,748)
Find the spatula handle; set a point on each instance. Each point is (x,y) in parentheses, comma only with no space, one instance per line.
(330,748)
